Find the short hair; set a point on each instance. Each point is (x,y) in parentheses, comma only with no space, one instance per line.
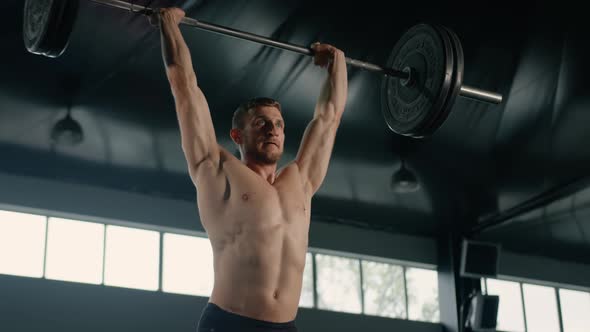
(240,113)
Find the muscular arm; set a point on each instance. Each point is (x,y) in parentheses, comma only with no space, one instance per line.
(196,127)
(318,140)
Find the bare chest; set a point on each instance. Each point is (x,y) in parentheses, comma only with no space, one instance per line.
(283,201)
(247,205)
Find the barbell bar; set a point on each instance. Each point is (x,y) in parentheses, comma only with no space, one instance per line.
(418,92)
(466,91)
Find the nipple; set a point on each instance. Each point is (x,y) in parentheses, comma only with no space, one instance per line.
(245,197)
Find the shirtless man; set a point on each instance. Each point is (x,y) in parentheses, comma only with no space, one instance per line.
(257,218)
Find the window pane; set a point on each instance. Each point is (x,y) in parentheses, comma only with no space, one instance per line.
(306,299)
(540,306)
(383,287)
(422,294)
(22,244)
(510,315)
(132,258)
(74,251)
(575,310)
(188,265)
(339,283)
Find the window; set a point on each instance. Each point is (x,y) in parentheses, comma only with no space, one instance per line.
(422,288)
(384,291)
(510,315)
(306,299)
(541,308)
(338,285)
(132,258)
(22,244)
(74,251)
(87,252)
(575,310)
(187,265)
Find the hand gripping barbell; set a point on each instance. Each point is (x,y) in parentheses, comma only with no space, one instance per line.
(421,80)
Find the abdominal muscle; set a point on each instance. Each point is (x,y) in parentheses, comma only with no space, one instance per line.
(259,273)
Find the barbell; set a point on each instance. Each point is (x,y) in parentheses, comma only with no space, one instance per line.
(421,80)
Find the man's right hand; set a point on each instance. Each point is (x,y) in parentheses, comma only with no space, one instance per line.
(174,13)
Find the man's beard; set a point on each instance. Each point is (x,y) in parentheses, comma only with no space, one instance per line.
(260,154)
(266,158)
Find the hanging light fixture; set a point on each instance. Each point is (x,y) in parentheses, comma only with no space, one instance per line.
(404,180)
(67,131)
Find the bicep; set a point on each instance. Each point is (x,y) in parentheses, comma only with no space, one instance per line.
(315,150)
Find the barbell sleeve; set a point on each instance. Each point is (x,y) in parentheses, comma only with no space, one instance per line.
(466,91)
(480,95)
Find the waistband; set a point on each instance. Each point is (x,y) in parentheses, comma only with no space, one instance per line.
(213,315)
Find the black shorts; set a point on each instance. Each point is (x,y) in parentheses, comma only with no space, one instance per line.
(215,319)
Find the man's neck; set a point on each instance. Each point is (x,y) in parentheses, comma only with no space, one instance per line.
(266,171)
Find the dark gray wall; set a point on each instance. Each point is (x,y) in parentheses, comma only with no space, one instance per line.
(34,195)
(45,305)
(550,271)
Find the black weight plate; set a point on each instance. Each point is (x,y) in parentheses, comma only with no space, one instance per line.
(430,126)
(36,17)
(47,25)
(457,80)
(46,44)
(65,24)
(407,109)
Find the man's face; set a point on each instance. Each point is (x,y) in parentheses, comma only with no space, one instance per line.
(263,135)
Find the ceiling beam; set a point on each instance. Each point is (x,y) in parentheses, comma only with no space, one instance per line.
(508,216)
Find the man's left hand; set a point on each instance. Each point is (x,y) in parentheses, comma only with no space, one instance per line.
(323,54)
